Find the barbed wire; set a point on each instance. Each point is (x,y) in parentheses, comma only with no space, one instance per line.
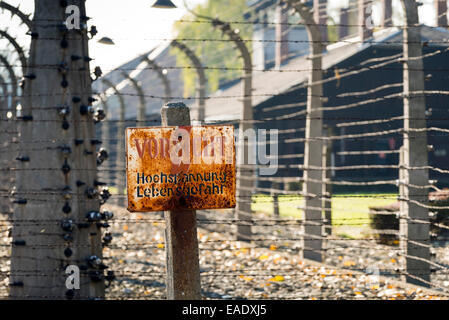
(292,198)
(349,41)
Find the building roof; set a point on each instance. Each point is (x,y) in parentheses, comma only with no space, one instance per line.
(227,104)
(147,77)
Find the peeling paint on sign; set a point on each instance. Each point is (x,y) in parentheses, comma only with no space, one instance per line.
(191,167)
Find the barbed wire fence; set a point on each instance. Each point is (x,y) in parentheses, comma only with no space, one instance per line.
(285,215)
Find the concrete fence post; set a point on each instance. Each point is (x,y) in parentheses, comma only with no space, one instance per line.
(364,27)
(107,173)
(120,180)
(281,30)
(387,12)
(415,228)
(313,218)
(245,170)
(17,48)
(56,167)
(6,138)
(275,186)
(162,74)
(5,149)
(326,186)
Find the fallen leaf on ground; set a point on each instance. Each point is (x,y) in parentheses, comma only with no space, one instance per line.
(246,278)
(349,263)
(277,279)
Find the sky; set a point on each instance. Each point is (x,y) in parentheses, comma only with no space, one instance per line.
(135,26)
(131,24)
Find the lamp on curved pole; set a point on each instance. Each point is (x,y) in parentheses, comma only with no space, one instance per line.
(244,176)
(4,96)
(11,126)
(26,20)
(106,41)
(141,113)
(164,4)
(105,131)
(18,49)
(202,82)
(7,158)
(5,181)
(245,183)
(16,11)
(12,78)
(162,75)
(313,243)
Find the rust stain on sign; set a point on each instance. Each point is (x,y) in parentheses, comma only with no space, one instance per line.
(191,167)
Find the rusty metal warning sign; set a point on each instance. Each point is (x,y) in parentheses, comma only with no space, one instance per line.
(180,168)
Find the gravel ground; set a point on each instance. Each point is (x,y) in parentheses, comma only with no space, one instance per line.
(268,268)
(265,269)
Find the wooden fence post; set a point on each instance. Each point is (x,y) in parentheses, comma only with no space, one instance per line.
(415,234)
(181,242)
